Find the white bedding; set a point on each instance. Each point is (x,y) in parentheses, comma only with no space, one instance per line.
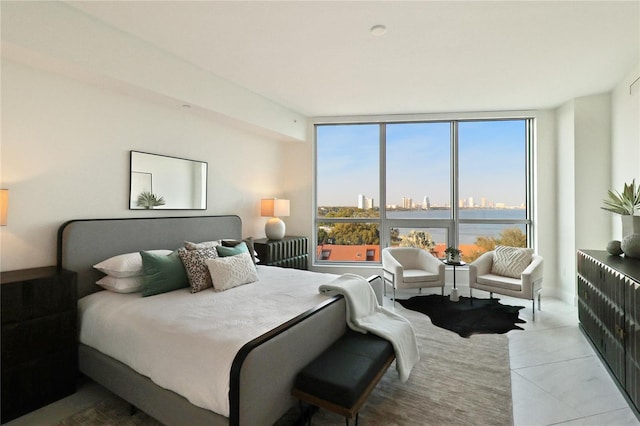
(187,342)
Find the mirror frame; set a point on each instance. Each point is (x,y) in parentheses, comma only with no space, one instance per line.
(142,180)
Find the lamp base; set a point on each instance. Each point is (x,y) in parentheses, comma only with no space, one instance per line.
(274,228)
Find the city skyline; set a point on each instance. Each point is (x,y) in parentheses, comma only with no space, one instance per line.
(491,162)
(365,202)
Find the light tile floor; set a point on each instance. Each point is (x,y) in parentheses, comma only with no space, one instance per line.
(556,377)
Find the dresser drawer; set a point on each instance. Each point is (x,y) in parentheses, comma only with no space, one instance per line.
(39,338)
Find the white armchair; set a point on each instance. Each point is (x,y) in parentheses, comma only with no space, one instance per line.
(527,286)
(410,267)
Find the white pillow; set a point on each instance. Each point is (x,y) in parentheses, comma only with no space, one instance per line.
(121,285)
(232,271)
(510,261)
(125,265)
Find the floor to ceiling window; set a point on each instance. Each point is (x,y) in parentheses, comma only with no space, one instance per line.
(428,184)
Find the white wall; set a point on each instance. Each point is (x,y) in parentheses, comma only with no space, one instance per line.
(593,170)
(625,143)
(544,199)
(565,195)
(65,155)
(583,169)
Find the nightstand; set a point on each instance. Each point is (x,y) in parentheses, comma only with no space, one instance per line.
(290,252)
(39,338)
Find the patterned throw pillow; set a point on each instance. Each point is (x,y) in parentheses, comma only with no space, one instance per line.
(232,271)
(197,271)
(511,261)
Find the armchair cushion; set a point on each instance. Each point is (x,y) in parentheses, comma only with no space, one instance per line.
(510,261)
(501,282)
(419,276)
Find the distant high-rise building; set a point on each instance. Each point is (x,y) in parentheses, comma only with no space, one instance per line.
(361,198)
(426,204)
(407,202)
(364,202)
(483,202)
(470,202)
(368,203)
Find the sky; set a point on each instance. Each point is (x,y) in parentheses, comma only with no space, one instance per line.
(492,157)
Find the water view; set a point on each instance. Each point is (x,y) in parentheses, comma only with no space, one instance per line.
(468,232)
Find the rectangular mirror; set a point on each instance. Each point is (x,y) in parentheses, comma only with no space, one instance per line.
(169,183)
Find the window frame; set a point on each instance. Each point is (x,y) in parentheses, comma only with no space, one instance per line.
(452,224)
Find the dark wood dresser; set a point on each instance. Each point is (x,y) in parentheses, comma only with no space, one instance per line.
(39,338)
(290,252)
(609,313)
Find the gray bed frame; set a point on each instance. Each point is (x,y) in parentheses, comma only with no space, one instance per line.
(263,371)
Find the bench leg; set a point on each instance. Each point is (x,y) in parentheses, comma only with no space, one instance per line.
(306,413)
(347,419)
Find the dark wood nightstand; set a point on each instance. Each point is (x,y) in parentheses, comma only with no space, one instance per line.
(39,338)
(290,252)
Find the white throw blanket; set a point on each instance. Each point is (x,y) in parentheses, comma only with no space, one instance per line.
(364,314)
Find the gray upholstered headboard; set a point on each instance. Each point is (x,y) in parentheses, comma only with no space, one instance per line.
(83,243)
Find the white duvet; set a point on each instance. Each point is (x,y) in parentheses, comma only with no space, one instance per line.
(187,342)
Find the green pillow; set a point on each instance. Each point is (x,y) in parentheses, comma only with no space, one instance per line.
(232,251)
(248,241)
(162,273)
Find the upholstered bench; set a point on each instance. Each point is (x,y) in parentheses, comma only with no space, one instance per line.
(342,377)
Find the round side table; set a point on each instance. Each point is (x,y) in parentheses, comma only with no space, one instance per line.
(454,296)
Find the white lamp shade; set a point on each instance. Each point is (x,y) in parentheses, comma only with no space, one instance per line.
(274,207)
(4,206)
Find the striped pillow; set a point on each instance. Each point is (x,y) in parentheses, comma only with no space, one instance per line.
(511,261)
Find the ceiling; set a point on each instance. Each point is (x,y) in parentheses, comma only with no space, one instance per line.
(319,58)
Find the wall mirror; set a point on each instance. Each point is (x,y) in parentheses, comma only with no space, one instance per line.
(169,183)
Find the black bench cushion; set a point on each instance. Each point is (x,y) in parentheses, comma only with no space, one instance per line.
(342,373)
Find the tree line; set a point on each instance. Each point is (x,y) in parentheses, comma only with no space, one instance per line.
(368,233)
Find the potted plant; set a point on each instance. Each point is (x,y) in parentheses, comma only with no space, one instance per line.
(149,200)
(626,204)
(453,254)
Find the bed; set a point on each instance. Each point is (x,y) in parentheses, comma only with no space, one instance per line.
(263,369)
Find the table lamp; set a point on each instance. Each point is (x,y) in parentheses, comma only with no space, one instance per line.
(274,208)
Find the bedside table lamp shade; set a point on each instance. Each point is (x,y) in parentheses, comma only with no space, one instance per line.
(274,208)
(4,206)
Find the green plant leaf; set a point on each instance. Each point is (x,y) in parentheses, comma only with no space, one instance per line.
(624,203)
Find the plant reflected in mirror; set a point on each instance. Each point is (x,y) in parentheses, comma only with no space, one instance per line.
(149,200)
